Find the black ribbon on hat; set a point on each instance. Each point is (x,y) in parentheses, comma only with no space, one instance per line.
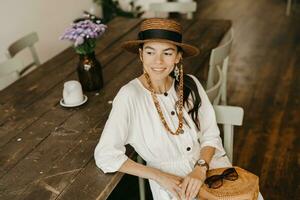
(160,34)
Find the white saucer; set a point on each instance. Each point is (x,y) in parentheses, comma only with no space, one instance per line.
(85,98)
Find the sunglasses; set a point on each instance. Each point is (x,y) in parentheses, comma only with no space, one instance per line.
(216,181)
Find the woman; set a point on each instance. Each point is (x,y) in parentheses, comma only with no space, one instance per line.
(165,115)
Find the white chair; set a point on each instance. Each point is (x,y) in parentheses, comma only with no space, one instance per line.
(9,72)
(228,116)
(8,79)
(213,92)
(167,7)
(219,57)
(141,181)
(27,41)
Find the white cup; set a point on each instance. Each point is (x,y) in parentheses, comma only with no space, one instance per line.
(72,92)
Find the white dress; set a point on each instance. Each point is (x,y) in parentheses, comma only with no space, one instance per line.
(134,120)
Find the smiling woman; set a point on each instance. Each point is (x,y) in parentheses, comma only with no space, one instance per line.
(162,114)
(158,59)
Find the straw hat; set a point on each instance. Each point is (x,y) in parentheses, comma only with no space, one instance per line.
(162,30)
(246,187)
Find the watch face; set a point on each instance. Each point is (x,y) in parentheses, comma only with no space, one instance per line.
(201,162)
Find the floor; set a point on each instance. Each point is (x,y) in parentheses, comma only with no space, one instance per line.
(264,79)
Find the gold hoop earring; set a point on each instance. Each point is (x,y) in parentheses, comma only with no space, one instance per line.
(176,72)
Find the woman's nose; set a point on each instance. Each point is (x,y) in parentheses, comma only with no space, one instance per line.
(159,58)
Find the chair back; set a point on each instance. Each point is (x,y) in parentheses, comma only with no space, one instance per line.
(229,116)
(181,7)
(27,41)
(9,72)
(219,57)
(214,91)
(220,53)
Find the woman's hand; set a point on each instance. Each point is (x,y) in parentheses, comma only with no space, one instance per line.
(170,182)
(192,183)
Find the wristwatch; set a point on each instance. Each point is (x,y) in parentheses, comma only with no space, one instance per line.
(202,163)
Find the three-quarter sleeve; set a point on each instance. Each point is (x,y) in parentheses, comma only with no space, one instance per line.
(109,153)
(209,131)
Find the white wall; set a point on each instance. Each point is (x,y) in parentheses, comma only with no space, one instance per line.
(49,18)
(124,4)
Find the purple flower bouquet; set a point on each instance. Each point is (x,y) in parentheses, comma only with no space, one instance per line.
(83,33)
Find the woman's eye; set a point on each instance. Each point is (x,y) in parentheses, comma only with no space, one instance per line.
(149,53)
(168,54)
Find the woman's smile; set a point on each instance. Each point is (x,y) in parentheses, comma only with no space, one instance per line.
(158,69)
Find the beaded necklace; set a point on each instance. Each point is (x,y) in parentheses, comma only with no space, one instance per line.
(158,108)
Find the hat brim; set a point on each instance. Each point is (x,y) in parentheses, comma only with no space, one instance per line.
(134,45)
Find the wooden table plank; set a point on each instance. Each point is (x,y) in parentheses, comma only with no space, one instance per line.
(56,150)
(95,181)
(65,138)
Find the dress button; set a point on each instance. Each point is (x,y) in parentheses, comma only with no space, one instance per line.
(188,148)
(165,93)
(172,113)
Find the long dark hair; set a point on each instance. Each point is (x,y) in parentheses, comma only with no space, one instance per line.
(190,88)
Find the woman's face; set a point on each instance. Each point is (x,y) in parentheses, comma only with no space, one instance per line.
(159,58)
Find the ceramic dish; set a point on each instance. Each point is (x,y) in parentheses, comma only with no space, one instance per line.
(85,98)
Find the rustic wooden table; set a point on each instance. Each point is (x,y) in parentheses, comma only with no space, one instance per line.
(46,151)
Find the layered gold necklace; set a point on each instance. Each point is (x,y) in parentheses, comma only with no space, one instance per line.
(158,108)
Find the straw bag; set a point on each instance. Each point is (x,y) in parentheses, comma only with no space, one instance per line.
(246,187)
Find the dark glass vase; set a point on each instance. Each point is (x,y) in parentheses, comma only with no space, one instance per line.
(90,72)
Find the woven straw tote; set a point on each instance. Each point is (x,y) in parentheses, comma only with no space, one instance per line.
(246,187)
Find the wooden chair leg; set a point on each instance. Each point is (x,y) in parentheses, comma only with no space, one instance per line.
(189,15)
(224,83)
(35,56)
(288,7)
(228,141)
(141,182)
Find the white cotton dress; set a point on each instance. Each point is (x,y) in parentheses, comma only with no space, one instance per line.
(134,120)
